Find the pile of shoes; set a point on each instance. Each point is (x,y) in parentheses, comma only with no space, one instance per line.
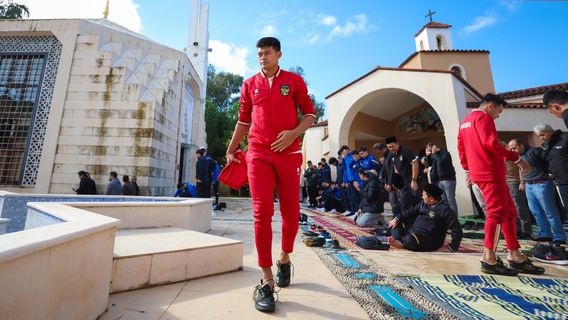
(372,243)
(472,225)
(549,253)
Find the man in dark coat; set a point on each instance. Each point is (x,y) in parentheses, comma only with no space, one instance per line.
(203,175)
(397,160)
(86,185)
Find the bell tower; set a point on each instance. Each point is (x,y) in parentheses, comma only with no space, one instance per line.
(434,36)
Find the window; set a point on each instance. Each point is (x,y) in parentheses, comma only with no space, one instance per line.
(421,45)
(20,76)
(440,42)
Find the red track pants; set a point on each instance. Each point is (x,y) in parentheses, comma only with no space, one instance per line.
(264,172)
(501,215)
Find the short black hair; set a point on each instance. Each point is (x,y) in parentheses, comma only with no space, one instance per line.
(180,185)
(363,149)
(490,97)
(125,178)
(332,160)
(555,96)
(343,147)
(268,42)
(201,152)
(113,174)
(323,160)
(82,173)
(379,146)
(354,153)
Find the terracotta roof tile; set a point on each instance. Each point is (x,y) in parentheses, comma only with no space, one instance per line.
(433,24)
(512,105)
(533,91)
(441,51)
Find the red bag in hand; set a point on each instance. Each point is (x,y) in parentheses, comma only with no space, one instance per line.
(234,174)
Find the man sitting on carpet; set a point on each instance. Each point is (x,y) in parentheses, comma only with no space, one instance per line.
(424,227)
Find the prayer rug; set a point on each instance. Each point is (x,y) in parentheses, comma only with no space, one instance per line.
(495,297)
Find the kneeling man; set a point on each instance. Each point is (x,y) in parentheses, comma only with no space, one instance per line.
(424,227)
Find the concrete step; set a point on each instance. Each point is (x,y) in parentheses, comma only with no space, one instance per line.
(157,256)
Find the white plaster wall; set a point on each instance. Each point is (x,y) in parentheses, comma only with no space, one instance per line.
(428,37)
(512,119)
(313,147)
(441,90)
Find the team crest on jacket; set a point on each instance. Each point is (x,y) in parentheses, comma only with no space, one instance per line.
(431,214)
(284,89)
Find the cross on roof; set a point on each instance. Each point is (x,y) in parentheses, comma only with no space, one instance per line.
(430,14)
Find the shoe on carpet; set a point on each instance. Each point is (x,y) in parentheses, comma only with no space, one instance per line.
(335,244)
(556,255)
(372,243)
(284,273)
(468,225)
(540,249)
(314,241)
(525,267)
(310,234)
(497,269)
(263,297)
(347,213)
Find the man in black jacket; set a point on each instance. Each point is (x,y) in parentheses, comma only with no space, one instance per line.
(424,227)
(203,175)
(443,173)
(397,160)
(372,204)
(86,185)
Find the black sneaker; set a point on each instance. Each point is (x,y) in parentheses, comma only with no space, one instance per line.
(557,255)
(525,267)
(284,274)
(263,297)
(539,249)
(498,269)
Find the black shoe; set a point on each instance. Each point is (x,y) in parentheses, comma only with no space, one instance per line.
(498,269)
(557,255)
(539,249)
(525,267)
(263,297)
(314,241)
(284,274)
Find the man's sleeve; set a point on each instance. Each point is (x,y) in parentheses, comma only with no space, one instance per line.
(461,151)
(245,110)
(406,215)
(485,127)
(565,117)
(108,189)
(303,99)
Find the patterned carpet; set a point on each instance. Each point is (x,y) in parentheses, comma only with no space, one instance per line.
(346,231)
(496,297)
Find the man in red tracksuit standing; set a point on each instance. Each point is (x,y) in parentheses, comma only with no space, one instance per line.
(482,156)
(268,112)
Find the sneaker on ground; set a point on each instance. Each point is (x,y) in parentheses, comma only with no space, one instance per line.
(346,213)
(284,274)
(263,297)
(539,249)
(525,266)
(557,255)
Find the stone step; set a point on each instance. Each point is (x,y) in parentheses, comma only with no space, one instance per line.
(157,256)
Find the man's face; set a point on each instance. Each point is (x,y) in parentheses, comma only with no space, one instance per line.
(363,154)
(427,198)
(356,157)
(198,155)
(544,135)
(517,147)
(133,179)
(435,149)
(494,109)
(379,152)
(345,152)
(393,147)
(268,57)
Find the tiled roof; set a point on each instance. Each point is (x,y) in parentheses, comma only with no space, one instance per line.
(529,92)
(513,105)
(433,24)
(441,51)
(469,86)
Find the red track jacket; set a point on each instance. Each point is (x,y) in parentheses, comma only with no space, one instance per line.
(480,151)
(270,110)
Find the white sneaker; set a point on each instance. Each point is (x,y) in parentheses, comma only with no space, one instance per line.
(321,209)
(333,211)
(346,213)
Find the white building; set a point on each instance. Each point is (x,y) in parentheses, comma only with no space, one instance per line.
(424,100)
(91,95)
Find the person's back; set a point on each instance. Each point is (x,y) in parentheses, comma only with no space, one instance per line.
(114,187)
(371,197)
(128,189)
(557,156)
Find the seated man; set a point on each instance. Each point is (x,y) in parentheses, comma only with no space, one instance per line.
(424,227)
(186,190)
(333,198)
(372,204)
(407,199)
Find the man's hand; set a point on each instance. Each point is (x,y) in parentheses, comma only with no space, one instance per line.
(231,157)
(522,186)
(414,162)
(388,187)
(393,223)
(198,181)
(556,109)
(356,185)
(414,185)
(524,166)
(468,180)
(284,139)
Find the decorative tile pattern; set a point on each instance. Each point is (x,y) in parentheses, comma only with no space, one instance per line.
(36,218)
(51,48)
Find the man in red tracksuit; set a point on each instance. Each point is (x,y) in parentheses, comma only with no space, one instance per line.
(269,104)
(482,156)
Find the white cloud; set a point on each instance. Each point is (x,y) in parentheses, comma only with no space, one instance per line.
(510,5)
(228,57)
(479,23)
(123,12)
(327,20)
(269,31)
(356,24)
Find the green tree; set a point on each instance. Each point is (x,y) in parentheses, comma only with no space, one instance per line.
(221,110)
(319,106)
(11,10)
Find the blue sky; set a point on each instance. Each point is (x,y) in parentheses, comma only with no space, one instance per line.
(337,41)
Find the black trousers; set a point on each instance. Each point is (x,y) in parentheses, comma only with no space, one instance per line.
(312,194)
(411,240)
(216,191)
(204,189)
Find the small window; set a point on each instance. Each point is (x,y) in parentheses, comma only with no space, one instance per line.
(457,71)
(421,45)
(440,42)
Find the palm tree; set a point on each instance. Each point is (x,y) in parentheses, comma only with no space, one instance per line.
(11,10)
